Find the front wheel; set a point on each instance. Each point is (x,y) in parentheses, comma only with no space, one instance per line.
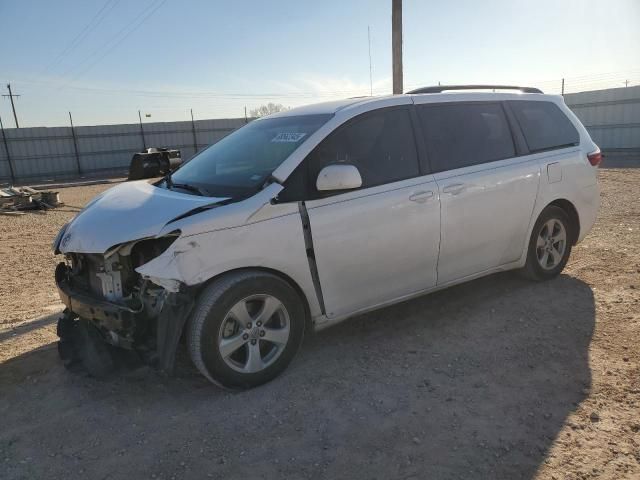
(549,246)
(245,329)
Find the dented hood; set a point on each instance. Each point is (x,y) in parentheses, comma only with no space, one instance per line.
(129,211)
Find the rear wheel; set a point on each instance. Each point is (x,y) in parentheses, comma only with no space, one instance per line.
(550,245)
(245,329)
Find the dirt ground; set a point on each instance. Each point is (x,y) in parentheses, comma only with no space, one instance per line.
(498,378)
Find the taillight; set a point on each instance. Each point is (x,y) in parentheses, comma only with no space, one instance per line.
(595,157)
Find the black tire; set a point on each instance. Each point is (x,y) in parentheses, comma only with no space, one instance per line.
(211,309)
(94,352)
(533,268)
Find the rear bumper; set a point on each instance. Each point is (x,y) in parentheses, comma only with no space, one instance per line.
(588,204)
(109,315)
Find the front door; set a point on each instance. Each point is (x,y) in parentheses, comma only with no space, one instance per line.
(380,242)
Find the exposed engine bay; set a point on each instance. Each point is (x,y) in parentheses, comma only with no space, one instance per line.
(118,306)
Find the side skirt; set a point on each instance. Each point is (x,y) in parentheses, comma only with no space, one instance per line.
(323,322)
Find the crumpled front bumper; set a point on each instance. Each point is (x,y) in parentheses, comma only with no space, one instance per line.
(114,317)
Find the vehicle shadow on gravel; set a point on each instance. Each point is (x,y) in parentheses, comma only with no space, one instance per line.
(471,382)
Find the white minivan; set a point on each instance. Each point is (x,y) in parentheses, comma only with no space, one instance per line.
(306,217)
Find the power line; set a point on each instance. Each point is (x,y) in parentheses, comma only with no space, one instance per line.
(572,84)
(107,7)
(125,32)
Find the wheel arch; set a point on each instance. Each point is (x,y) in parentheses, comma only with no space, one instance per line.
(571,211)
(283,276)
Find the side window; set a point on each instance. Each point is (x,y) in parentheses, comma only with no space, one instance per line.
(463,134)
(380,144)
(544,125)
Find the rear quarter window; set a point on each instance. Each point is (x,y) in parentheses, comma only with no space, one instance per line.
(544,125)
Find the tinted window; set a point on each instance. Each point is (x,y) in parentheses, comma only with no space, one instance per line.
(380,144)
(463,134)
(544,125)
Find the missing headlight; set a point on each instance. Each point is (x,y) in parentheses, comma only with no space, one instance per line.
(146,250)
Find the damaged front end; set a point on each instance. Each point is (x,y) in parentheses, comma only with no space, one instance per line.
(108,302)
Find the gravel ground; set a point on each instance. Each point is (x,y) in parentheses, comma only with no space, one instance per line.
(497,378)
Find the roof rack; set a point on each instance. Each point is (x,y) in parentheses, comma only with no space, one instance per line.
(442,88)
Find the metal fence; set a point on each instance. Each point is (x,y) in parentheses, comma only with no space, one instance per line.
(37,154)
(31,154)
(612,118)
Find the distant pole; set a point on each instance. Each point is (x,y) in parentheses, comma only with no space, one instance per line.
(195,139)
(396,45)
(562,90)
(75,144)
(6,149)
(626,83)
(246,120)
(11,95)
(144,143)
(370,70)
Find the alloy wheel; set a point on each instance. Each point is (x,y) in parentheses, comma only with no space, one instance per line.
(254,333)
(551,244)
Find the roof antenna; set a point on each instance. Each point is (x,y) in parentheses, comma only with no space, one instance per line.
(370,74)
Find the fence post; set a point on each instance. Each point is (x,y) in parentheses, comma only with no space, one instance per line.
(144,143)
(75,145)
(195,139)
(6,149)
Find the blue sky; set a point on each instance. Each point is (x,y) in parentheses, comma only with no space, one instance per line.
(167,56)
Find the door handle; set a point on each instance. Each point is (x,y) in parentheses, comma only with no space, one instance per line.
(421,197)
(454,189)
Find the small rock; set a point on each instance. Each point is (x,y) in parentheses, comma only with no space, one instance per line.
(416,440)
(594,417)
(625,359)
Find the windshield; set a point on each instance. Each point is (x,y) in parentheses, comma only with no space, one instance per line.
(240,163)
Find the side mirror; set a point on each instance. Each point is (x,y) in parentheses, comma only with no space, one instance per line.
(339,177)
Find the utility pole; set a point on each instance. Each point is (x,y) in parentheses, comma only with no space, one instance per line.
(11,95)
(6,149)
(562,90)
(75,144)
(396,45)
(626,83)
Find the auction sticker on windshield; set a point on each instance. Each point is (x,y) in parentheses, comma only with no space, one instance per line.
(288,137)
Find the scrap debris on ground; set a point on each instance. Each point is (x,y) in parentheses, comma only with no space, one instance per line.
(19,200)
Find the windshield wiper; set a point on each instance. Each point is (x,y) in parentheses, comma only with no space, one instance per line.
(185,186)
(191,188)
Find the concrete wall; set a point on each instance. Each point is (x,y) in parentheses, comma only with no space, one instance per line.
(41,153)
(612,118)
